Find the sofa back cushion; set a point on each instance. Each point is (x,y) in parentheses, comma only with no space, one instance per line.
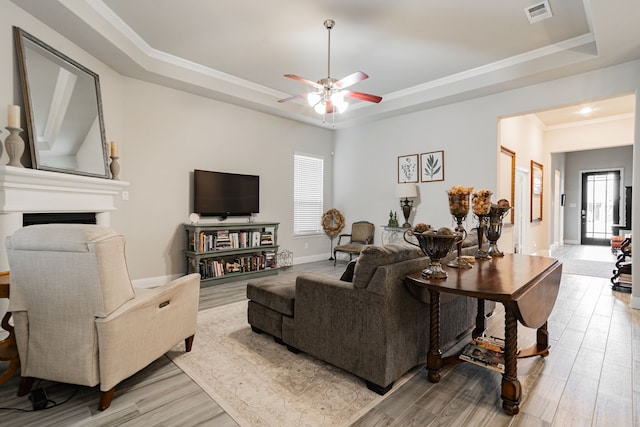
(375,256)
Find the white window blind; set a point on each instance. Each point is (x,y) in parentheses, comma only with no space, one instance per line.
(307,194)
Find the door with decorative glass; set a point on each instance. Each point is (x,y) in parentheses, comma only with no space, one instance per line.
(600,206)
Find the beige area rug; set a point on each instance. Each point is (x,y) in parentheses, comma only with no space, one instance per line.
(260,383)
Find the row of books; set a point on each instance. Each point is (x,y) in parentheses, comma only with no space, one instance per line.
(224,239)
(211,268)
(485,351)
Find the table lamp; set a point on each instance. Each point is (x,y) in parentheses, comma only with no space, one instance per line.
(406,191)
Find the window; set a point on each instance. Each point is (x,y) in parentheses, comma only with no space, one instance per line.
(307,194)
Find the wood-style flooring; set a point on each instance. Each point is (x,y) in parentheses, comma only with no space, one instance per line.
(591,378)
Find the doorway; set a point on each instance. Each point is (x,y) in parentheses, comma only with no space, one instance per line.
(600,208)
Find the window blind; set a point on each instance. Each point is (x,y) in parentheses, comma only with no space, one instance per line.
(307,194)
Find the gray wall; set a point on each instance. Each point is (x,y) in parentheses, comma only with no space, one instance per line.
(590,160)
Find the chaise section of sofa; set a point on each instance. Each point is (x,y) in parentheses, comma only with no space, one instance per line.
(373,326)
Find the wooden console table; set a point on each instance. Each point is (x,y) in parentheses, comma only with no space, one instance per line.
(526,285)
(8,348)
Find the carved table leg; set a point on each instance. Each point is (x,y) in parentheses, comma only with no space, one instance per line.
(434,356)
(511,388)
(480,320)
(542,339)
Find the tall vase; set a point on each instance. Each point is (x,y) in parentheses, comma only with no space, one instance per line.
(14,145)
(481,206)
(459,208)
(494,230)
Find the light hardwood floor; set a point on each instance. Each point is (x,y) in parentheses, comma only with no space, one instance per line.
(591,378)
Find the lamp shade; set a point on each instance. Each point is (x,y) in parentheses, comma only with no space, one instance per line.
(406,190)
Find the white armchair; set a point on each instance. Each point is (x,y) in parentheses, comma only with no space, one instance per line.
(77,317)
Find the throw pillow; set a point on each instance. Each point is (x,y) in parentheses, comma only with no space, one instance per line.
(347,276)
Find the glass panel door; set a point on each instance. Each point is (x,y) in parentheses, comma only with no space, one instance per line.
(600,206)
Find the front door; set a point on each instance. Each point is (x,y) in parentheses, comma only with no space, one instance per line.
(600,206)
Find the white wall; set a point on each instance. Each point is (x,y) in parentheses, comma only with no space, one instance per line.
(169,133)
(366,162)
(163,135)
(467,132)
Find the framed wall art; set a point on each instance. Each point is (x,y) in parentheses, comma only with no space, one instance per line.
(507,179)
(432,166)
(408,168)
(537,189)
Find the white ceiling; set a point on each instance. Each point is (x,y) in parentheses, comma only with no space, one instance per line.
(417,53)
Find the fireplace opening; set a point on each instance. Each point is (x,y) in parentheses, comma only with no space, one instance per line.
(58,218)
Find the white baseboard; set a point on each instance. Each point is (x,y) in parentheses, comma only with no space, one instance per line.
(152,282)
(571,242)
(310,258)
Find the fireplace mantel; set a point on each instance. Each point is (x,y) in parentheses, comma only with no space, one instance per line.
(31,190)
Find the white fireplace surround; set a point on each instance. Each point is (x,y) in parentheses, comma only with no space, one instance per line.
(24,190)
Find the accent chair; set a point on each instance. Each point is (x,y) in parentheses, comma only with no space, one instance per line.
(361,235)
(77,317)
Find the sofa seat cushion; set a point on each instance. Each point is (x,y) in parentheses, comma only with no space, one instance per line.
(277,293)
(375,256)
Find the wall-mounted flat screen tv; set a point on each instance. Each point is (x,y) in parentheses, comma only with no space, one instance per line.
(225,194)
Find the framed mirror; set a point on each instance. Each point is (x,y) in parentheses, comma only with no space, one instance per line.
(536,191)
(507,181)
(63,110)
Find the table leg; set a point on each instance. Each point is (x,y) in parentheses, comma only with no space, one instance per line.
(480,320)
(9,350)
(434,356)
(542,338)
(511,388)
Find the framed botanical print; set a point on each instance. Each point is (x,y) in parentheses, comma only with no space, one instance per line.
(432,166)
(408,168)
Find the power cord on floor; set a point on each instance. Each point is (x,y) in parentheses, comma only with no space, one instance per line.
(40,401)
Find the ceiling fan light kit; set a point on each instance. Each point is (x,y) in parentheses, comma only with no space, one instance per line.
(329,94)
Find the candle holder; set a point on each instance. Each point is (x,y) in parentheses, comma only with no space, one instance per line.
(494,230)
(14,144)
(114,167)
(481,205)
(459,208)
(481,253)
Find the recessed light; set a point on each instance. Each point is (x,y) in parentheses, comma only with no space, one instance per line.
(586,111)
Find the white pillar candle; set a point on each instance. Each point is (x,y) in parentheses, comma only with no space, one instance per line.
(114,149)
(13,119)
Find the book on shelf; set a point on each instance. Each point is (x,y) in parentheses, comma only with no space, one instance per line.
(483,356)
(266,238)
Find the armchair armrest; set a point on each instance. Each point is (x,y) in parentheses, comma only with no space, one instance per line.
(146,327)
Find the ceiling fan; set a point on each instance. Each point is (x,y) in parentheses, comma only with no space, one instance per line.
(328,96)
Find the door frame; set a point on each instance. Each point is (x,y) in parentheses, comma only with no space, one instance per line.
(521,211)
(581,174)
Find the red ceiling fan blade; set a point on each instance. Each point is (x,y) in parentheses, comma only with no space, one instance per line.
(362,96)
(351,79)
(305,81)
(293,98)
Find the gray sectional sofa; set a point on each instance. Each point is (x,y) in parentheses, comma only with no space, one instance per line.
(372,326)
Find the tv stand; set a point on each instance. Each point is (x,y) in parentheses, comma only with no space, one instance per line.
(227,252)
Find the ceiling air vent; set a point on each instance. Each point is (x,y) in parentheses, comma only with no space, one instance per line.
(538,12)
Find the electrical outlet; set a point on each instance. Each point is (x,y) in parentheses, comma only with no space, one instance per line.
(125,195)
(306,245)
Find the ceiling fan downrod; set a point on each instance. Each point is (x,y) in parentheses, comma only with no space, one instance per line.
(329,24)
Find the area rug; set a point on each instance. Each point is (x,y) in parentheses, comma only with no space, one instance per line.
(588,267)
(260,383)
